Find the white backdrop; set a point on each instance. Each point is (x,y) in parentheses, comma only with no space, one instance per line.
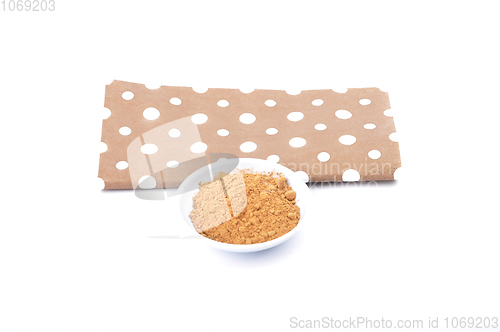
(75,258)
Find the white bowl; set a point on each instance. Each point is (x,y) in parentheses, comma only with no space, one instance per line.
(303,197)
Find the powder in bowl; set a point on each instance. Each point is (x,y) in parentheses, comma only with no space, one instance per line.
(245,207)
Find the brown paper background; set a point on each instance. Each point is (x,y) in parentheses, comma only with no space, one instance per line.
(130,113)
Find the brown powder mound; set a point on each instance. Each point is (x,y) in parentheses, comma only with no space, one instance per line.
(245,208)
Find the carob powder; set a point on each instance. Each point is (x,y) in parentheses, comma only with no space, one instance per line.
(245,207)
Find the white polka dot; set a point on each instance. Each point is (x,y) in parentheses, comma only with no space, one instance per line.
(394,137)
(121,165)
(105,113)
(270,103)
(347,139)
(128,95)
(222,132)
(365,102)
(153,85)
(271,131)
(198,147)
(172,164)
(369,126)
(374,154)
(317,102)
(295,116)
(247,118)
(103,147)
(247,90)
(248,147)
(389,112)
(323,156)
(200,89)
(320,126)
(174,133)
(199,118)
(101,185)
(175,101)
(343,114)
(340,90)
(351,175)
(149,149)
(125,131)
(223,103)
(293,92)
(273,158)
(151,113)
(297,142)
